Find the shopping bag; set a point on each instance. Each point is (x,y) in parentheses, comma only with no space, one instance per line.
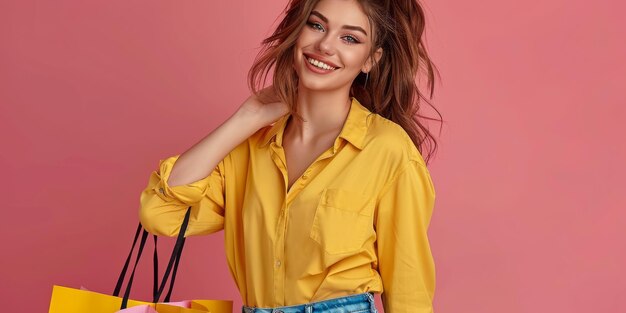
(71,300)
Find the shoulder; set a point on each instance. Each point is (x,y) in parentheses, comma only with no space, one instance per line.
(392,141)
(401,158)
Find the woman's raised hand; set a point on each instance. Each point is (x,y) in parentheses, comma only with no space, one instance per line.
(264,108)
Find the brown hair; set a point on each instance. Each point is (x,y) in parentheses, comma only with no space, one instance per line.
(391,89)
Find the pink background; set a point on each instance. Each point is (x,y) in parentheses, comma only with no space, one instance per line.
(529,175)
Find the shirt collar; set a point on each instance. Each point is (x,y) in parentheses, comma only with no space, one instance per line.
(354,128)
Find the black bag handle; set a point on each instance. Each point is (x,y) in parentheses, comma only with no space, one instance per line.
(156,274)
(169,293)
(174,260)
(120,280)
(155,265)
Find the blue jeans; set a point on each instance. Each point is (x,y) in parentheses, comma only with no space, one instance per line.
(357,303)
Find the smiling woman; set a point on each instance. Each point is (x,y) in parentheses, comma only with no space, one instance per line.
(384,38)
(318,180)
(326,42)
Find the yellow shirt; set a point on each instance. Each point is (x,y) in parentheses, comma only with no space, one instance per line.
(355,221)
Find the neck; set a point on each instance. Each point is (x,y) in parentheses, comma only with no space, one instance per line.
(324,114)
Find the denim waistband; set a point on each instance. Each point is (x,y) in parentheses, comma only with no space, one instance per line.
(362,302)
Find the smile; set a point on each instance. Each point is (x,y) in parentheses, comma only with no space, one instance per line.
(320,64)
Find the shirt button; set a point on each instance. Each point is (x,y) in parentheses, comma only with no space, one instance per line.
(278,263)
(161,190)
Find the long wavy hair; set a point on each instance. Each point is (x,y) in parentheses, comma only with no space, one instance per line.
(391,89)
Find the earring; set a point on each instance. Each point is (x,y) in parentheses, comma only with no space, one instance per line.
(367,75)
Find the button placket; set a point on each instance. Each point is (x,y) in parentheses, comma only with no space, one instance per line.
(279,253)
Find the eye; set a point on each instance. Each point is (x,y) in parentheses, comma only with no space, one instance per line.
(353,40)
(313,24)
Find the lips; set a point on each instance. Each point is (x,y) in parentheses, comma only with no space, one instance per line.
(319,58)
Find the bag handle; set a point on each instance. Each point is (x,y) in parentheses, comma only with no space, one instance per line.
(157,294)
(174,260)
(176,253)
(120,280)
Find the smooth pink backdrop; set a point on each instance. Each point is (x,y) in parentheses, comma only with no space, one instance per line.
(529,175)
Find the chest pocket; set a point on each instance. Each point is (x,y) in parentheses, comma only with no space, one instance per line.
(342,220)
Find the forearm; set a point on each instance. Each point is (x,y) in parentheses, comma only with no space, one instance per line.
(199,161)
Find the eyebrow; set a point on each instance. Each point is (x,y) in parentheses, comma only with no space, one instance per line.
(323,18)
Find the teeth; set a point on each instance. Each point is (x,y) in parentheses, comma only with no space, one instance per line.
(320,64)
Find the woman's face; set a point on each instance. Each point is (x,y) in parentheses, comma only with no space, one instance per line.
(337,33)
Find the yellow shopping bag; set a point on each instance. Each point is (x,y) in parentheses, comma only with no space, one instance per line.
(72,300)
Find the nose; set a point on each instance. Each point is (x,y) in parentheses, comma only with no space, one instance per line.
(325,45)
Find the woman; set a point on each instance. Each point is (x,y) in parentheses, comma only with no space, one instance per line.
(317,180)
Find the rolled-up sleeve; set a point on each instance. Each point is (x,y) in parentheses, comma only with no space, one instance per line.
(163,207)
(405,262)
